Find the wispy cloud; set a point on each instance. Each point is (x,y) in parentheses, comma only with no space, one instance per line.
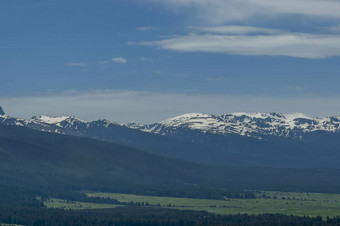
(76,64)
(272,43)
(220,11)
(120,60)
(148,107)
(146,28)
(236,30)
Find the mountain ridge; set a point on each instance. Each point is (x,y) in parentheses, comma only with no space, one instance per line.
(266,143)
(245,124)
(254,125)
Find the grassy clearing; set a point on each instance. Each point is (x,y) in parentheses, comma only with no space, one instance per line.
(65,204)
(291,203)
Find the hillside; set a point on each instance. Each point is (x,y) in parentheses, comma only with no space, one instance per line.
(43,163)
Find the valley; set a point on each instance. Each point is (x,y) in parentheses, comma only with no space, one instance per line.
(57,168)
(265,202)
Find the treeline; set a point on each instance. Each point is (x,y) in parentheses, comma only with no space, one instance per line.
(147,216)
(23,208)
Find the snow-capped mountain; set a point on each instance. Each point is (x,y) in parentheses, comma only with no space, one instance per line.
(59,124)
(245,124)
(238,139)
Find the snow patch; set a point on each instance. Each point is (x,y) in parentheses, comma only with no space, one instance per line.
(50,120)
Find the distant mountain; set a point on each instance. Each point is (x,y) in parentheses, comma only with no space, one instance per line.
(254,125)
(239,139)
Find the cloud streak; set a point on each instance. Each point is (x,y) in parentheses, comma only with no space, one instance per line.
(237,30)
(76,64)
(148,107)
(271,43)
(146,28)
(220,11)
(119,60)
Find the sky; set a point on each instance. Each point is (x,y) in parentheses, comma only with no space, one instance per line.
(147,60)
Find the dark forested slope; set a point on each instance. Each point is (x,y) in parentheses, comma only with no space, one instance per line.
(50,164)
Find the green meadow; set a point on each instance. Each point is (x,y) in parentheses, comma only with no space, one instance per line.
(290,203)
(66,204)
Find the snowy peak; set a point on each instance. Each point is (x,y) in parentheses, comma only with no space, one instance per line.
(296,116)
(256,125)
(50,120)
(57,124)
(245,124)
(60,121)
(188,118)
(261,115)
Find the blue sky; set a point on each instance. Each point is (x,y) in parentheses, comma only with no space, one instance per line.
(146,60)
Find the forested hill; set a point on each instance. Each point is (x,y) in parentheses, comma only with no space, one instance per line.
(47,163)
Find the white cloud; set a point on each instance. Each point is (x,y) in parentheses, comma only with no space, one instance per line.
(119,60)
(301,45)
(220,11)
(236,30)
(147,28)
(148,107)
(74,64)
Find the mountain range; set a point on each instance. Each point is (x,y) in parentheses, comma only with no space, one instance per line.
(238,139)
(245,124)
